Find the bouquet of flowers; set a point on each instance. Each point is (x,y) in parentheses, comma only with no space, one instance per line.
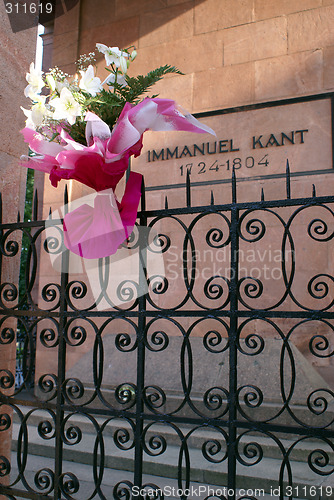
(86,129)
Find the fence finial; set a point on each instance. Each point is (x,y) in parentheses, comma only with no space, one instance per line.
(288,183)
(212,198)
(65,200)
(166,203)
(262,194)
(314,193)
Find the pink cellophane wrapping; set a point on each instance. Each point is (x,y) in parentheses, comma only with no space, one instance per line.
(98,232)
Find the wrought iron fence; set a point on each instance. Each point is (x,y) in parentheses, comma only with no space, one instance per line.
(204,371)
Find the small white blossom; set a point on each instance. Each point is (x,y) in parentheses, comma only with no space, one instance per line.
(89,82)
(84,61)
(133,55)
(112,54)
(35,81)
(66,107)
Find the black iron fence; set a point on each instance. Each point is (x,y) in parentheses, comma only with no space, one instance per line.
(197,362)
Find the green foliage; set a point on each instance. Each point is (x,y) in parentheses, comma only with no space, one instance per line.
(140,84)
(108,104)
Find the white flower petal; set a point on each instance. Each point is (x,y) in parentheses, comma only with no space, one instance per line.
(101,47)
(90,83)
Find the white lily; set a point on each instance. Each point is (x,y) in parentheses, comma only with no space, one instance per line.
(111,79)
(89,82)
(35,81)
(37,113)
(112,54)
(66,107)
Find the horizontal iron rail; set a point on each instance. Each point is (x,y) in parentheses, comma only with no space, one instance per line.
(170,313)
(23,494)
(302,430)
(284,202)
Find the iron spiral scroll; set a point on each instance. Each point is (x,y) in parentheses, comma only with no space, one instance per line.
(207,361)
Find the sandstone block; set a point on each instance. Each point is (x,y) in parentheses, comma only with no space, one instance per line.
(124,9)
(178,88)
(15,59)
(174,23)
(212,15)
(90,16)
(265,9)
(191,56)
(65,48)
(328,68)
(288,76)
(312,29)
(121,34)
(176,2)
(255,41)
(224,87)
(67,21)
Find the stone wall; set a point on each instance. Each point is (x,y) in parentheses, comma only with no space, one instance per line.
(232,53)
(17,50)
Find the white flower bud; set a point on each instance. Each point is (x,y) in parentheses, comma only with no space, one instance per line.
(51,82)
(123,65)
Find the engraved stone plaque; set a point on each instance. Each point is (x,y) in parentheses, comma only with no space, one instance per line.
(256,141)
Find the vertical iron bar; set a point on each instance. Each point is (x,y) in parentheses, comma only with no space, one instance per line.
(332,128)
(138,466)
(61,366)
(1,235)
(231,478)
(128,170)
(35,206)
(188,190)
(288,181)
